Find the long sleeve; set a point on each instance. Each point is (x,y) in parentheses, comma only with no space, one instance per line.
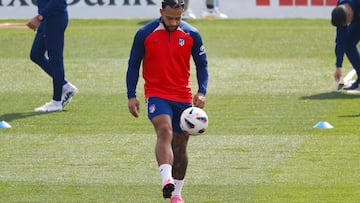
(339,45)
(136,56)
(200,60)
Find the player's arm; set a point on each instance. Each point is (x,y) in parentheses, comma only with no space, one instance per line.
(34,22)
(132,77)
(338,74)
(202,79)
(132,74)
(202,75)
(339,51)
(51,7)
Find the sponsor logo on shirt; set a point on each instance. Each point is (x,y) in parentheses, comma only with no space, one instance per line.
(202,50)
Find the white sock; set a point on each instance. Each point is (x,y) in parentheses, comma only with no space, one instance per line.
(165,171)
(178,187)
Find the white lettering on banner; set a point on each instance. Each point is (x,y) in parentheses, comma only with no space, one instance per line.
(150,8)
(297,2)
(111,2)
(13,3)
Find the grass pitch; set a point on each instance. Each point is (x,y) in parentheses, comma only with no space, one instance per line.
(270,83)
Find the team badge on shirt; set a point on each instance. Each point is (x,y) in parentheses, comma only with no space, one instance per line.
(181,41)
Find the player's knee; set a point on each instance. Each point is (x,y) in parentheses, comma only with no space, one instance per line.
(164,131)
(35,57)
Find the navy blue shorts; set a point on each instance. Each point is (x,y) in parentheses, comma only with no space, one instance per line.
(156,106)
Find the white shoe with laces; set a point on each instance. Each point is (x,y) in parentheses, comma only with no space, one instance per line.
(52,106)
(69,90)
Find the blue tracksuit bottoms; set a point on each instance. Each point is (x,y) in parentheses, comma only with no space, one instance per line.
(47,50)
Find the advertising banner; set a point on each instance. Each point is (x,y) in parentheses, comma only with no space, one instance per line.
(10,9)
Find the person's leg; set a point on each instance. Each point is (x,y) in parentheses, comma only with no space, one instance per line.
(54,40)
(352,51)
(62,87)
(210,4)
(38,49)
(186,5)
(163,151)
(179,146)
(216,3)
(163,129)
(160,115)
(37,55)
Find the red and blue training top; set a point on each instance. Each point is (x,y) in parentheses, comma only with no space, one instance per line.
(165,58)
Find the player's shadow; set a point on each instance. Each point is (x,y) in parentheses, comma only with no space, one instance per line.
(332,95)
(335,95)
(350,116)
(15,116)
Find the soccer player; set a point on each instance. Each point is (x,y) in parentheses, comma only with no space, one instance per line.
(164,47)
(50,24)
(345,17)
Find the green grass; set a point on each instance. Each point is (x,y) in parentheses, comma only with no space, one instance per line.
(270,83)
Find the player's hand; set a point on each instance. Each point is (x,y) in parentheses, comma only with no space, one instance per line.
(34,23)
(134,106)
(337,74)
(199,100)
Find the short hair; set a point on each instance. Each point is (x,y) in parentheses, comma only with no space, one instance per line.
(175,4)
(338,16)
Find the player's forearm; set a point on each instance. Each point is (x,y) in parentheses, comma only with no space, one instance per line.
(132,77)
(202,79)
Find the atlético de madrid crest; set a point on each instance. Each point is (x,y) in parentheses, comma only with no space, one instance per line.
(181,41)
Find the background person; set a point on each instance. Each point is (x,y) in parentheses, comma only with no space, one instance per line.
(164,47)
(47,50)
(345,17)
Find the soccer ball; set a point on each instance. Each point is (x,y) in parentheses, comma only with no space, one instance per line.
(194,121)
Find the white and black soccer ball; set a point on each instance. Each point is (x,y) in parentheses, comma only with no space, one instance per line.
(194,121)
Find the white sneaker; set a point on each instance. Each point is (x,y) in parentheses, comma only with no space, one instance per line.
(69,90)
(51,106)
(214,13)
(189,14)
